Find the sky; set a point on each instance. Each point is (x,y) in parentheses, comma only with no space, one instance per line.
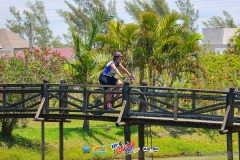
(207,9)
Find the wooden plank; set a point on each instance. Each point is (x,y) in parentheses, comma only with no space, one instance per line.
(225,119)
(175,104)
(121,114)
(40,108)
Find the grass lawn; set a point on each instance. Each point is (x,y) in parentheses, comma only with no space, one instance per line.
(172,141)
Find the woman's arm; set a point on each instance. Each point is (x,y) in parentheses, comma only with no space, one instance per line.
(125,70)
(113,66)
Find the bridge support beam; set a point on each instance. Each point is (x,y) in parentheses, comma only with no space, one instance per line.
(141,141)
(238,145)
(127,137)
(229,146)
(43,140)
(61,140)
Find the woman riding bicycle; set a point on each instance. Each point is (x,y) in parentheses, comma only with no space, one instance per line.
(107,77)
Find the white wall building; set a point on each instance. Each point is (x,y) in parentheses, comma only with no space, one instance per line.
(218,38)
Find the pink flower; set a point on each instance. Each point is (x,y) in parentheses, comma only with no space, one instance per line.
(1,65)
(20,55)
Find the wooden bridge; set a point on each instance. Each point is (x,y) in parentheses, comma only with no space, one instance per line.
(135,105)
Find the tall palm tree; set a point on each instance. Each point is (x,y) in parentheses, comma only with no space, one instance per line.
(147,38)
(164,44)
(85,55)
(120,37)
(176,48)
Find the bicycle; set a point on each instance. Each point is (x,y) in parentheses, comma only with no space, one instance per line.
(97,102)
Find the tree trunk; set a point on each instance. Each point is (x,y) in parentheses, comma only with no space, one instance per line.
(86,125)
(141,76)
(8,126)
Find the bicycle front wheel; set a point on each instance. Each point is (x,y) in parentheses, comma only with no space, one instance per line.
(96,102)
(137,99)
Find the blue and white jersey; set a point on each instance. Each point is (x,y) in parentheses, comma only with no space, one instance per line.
(108,71)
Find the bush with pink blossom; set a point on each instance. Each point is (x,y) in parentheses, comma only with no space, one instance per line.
(33,66)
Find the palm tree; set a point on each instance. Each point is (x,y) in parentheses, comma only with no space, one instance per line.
(120,37)
(163,45)
(147,38)
(85,55)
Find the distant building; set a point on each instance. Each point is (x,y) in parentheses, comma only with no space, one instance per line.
(65,52)
(218,38)
(10,43)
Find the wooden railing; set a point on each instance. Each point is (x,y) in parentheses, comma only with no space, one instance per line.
(141,101)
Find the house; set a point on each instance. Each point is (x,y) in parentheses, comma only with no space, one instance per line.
(65,52)
(218,38)
(10,43)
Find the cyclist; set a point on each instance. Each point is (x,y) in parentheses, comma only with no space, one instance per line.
(107,77)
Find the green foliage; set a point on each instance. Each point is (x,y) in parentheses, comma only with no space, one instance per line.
(234,45)
(136,7)
(33,66)
(30,67)
(83,14)
(120,37)
(220,71)
(187,9)
(85,57)
(217,21)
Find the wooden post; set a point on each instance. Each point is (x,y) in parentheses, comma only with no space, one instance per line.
(4,97)
(85,99)
(45,94)
(175,104)
(43,140)
(194,100)
(143,107)
(141,141)
(61,150)
(238,145)
(231,103)
(229,146)
(23,98)
(126,96)
(127,137)
(230,123)
(63,95)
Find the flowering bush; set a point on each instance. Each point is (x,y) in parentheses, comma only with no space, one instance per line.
(33,66)
(30,67)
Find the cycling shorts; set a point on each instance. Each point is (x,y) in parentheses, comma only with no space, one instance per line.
(107,80)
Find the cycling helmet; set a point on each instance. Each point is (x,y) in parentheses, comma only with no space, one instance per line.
(117,54)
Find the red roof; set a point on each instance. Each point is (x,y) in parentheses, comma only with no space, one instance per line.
(65,52)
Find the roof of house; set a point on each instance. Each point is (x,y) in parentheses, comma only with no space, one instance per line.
(65,52)
(9,39)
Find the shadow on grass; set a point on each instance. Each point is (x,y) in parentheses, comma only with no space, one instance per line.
(134,129)
(20,141)
(178,131)
(98,135)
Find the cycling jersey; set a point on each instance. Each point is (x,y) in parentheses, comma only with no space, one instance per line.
(108,71)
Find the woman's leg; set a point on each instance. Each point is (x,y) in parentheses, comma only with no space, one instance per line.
(104,80)
(119,82)
(108,97)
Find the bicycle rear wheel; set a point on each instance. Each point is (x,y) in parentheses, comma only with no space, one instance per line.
(96,102)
